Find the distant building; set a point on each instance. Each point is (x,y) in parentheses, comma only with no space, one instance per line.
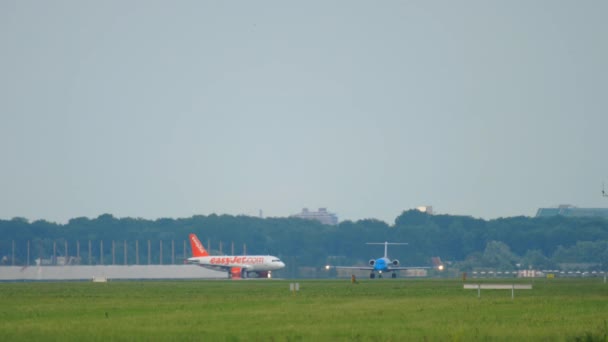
(322,216)
(572,211)
(425,209)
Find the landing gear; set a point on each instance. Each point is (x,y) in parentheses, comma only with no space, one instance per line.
(229,274)
(372,275)
(379,275)
(394,275)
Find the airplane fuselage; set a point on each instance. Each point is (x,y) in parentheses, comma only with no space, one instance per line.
(252,263)
(382,265)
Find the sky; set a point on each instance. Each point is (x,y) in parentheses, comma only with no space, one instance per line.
(177,108)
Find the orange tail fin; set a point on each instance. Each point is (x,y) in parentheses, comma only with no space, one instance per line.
(197,247)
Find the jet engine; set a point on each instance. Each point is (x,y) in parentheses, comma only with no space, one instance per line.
(395,262)
(235,273)
(372,262)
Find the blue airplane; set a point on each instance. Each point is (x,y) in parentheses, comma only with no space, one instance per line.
(386,265)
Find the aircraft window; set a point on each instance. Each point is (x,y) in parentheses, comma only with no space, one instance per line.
(276,260)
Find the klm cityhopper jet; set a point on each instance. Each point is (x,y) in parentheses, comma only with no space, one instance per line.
(385,265)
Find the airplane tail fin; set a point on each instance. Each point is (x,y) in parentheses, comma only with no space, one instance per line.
(197,247)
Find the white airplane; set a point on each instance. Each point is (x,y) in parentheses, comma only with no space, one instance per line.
(237,266)
(384,264)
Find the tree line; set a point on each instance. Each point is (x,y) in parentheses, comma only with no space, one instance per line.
(465,242)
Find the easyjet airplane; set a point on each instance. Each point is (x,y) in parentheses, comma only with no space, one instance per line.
(237,266)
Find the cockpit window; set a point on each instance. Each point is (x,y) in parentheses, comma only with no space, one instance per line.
(276,260)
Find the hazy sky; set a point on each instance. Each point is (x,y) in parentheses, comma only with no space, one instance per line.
(174,108)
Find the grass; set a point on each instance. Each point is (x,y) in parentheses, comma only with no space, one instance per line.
(376,310)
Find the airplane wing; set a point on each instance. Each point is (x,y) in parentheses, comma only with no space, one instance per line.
(366,268)
(223,267)
(215,267)
(371,268)
(437,264)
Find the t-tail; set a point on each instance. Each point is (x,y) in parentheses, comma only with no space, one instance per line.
(386,245)
(197,247)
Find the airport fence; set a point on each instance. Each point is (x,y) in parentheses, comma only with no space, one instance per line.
(61,252)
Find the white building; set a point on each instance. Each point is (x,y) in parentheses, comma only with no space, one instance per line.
(322,216)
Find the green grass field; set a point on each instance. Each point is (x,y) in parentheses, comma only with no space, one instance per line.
(378,310)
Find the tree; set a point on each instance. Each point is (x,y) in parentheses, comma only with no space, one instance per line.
(499,256)
(535,259)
